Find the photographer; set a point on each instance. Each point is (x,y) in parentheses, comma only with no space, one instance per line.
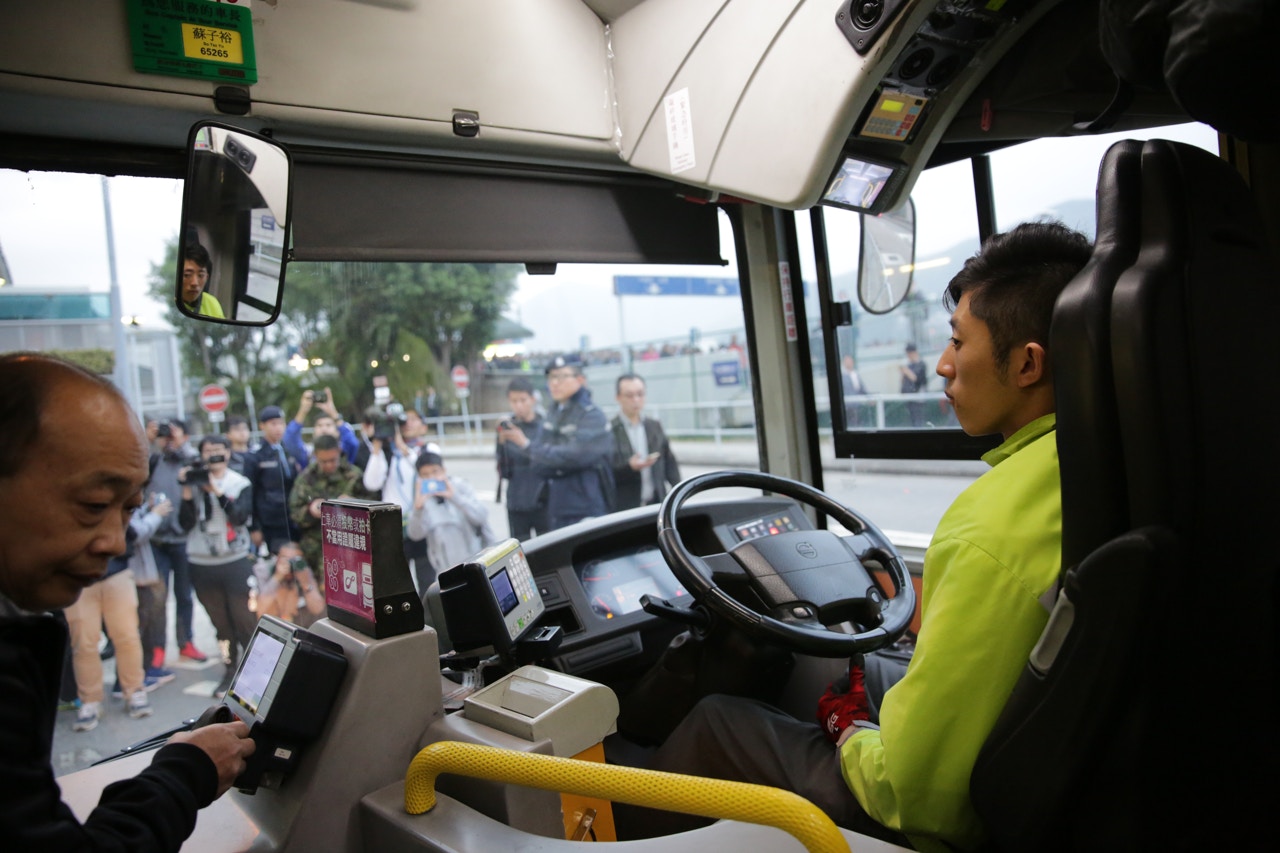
(391,473)
(447,515)
(216,503)
(329,475)
(169,543)
(328,422)
(287,588)
(526,488)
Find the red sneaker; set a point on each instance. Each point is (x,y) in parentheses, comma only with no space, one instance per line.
(190,652)
(157,658)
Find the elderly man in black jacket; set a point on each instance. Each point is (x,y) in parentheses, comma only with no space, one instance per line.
(66,495)
(643,464)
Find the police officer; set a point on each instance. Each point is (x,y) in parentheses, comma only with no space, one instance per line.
(272,472)
(573,451)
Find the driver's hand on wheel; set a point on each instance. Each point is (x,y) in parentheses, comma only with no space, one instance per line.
(844,703)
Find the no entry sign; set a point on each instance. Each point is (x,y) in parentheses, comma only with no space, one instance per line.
(214,398)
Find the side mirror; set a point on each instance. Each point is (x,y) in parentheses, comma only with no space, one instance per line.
(886,264)
(235,227)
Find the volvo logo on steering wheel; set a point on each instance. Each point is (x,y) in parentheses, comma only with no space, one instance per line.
(804,549)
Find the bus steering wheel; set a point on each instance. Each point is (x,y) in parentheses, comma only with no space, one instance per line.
(805,580)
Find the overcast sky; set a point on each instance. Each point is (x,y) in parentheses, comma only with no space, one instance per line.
(53,235)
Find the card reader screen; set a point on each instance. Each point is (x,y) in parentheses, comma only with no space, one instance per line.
(255,673)
(504,592)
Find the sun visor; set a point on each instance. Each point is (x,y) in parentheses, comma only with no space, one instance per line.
(362,209)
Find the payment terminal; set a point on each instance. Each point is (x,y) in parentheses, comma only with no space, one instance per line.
(492,600)
(283,688)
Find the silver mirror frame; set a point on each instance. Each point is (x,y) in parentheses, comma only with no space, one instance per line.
(886,264)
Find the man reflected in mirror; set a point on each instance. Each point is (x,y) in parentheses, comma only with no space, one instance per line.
(196,266)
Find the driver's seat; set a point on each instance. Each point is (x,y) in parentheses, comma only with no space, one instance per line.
(1143,719)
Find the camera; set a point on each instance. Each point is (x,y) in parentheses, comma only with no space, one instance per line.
(297,565)
(320,396)
(384,429)
(506,423)
(396,410)
(197,474)
(164,430)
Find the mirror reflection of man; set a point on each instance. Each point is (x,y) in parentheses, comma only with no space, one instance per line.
(196,266)
(66,496)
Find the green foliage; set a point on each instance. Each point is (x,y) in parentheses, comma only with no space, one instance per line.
(348,315)
(100,361)
(352,315)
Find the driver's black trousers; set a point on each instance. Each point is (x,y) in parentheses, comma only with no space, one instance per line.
(744,740)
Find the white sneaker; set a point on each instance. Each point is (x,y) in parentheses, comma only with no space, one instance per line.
(139,706)
(86,718)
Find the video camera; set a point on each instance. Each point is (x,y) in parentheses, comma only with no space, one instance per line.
(384,427)
(320,396)
(197,473)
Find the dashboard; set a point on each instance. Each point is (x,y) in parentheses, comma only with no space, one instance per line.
(592,575)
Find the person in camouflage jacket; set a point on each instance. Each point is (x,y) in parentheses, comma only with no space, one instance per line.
(327,475)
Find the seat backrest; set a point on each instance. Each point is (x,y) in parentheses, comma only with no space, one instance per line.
(1133,726)
(1094,501)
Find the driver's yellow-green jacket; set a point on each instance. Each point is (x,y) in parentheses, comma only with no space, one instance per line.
(995,552)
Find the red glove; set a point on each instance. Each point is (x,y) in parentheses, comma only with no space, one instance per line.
(844,702)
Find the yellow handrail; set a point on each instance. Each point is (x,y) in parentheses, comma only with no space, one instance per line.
(714,798)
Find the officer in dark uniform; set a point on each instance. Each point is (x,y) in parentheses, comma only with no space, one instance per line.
(272,471)
(573,452)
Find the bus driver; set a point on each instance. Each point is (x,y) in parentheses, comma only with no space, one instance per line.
(994,553)
(72,468)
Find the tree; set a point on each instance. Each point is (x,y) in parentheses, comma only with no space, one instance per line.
(411,320)
(353,315)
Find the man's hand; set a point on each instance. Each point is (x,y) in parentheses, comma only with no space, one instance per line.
(228,744)
(844,702)
(304,405)
(327,406)
(314,507)
(515,435)
(639,463)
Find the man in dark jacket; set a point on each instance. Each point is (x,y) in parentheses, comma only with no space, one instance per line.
(66,495)
(272,472)
(526,490)
(643,464)
(573,451)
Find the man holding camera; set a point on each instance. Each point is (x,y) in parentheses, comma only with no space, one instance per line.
(391,473)
(169,543)
(288,589)
(215,508)
(328,475)
(328,422)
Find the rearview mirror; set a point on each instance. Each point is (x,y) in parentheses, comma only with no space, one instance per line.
(886,264)
(235,227)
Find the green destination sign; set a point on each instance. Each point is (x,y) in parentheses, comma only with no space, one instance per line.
(193,38)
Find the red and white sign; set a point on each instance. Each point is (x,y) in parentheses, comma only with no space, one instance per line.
(214,398)
(461,378)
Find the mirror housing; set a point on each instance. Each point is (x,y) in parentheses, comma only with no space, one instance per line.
(236,214)
(886,264)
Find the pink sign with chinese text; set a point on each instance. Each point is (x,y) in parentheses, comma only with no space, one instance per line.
(348,559)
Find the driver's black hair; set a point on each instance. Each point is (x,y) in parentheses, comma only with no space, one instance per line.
(1014,281)
(199,254)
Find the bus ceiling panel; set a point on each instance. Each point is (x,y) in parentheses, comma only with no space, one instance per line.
(754,100)
(761,98)
(537,65)
(388,211)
